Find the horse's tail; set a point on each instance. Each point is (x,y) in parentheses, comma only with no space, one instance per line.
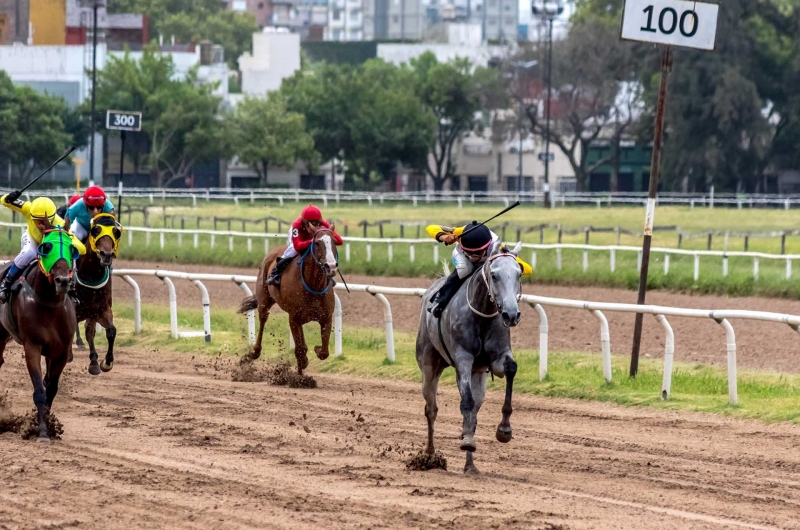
(248,304)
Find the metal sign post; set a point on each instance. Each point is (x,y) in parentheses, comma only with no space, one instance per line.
(670,23)
(117,120)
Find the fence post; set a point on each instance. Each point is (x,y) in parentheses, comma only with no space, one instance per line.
(746,242)
(337,326)
(389,251)
(435,253)
(206,309)
(137,305)
(725,265)
(411,253)
(542,341)
(558,258)
(755,267)
(147,239)
(638,260)
(251,318)
(666,264)
(585,261)
(709,241)
(533,259)
(613,259)
(669,354)
(369,252)
(696,266)
(783,243)
(347,251)
(680,240)
(788,268)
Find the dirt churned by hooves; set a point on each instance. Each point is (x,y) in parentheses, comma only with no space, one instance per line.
(281,374)
(250,372)
(29,427)
(422,461)
(284,375)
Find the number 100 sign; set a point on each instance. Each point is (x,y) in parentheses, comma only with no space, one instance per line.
(672,22)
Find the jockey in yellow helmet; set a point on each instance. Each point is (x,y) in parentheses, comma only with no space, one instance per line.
(41,217)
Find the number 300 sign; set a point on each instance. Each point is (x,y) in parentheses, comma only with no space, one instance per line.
(123,120)
(673,22)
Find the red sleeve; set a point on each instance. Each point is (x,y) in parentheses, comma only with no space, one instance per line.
(336,237)
(298,236)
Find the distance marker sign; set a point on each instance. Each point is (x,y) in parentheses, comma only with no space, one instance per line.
(121,120)
(671,22)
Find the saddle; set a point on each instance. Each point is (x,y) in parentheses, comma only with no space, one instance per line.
(450,287)
(17,284)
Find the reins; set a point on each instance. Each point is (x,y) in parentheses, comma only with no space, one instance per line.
(310,250)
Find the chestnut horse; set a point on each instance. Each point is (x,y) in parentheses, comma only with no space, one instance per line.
(305,293)
(93,286)
(41,317)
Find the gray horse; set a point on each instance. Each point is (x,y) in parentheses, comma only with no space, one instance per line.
(474,336)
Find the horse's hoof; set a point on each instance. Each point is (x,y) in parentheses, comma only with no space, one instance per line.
(106,367)
(468,443)
(94,368)
(503,434)
(302,363)
(43,440)
(321,355)
(470,469)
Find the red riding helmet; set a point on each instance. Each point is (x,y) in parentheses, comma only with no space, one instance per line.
(311,213)
(94,196)
(74,199)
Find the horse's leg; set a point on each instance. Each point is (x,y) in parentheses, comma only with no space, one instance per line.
(78,339)
(325,333)
(432,368)
(107,321)
(263,315)
(90,330)
(503,433)
(54,370)
(33,359)
(478,395)
(5,336)
(464,361)
(300,347)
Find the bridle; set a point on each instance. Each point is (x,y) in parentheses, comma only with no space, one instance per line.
(489,284)
(310,250)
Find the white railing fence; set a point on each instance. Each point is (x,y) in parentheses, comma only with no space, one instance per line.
(660,313)
(598,199)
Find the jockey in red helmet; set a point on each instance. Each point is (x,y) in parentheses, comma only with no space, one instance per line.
(300,236)
(81,213)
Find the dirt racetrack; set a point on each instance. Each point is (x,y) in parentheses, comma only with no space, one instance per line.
(760,345)
(168,441)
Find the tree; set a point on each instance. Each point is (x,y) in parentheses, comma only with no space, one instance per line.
(452,93)
(588,70)
(181,125)
(367,116)
(195,20)
(267,134)
(31,128)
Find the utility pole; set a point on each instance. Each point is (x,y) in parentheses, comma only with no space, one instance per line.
(94,90)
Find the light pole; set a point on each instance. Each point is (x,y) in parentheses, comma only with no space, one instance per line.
(95,5)
(519,66)
(548,11)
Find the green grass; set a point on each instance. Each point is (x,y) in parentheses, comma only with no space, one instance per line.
(740,282)
(768,397)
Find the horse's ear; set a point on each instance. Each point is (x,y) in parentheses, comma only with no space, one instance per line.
(45,248)
(517,248)
(96,230)
(333,227)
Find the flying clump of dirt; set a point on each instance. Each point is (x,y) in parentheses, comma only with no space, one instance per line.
(250,372)
(422,461)
(29,427)
(281,374)
(9,422)
(284,375)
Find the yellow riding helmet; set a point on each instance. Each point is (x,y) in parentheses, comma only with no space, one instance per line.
(43,208)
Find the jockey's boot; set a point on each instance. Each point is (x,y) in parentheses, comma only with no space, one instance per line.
(444,294)
(13,273)
(275,278)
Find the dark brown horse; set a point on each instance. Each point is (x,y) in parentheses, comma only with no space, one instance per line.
(306,294)
(93,286)
(41,317)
